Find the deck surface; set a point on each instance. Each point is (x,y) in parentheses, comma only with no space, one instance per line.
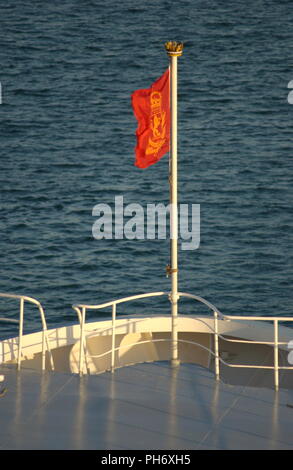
(145,406)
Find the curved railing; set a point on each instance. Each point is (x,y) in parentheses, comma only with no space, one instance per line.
(45,341)
(81,313)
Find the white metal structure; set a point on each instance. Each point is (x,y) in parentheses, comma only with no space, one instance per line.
(149,405)
(219,326)
(45,341)
(82,308)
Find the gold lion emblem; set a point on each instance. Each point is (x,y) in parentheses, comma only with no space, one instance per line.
(158,124)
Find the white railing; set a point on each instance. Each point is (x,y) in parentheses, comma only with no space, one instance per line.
(45,341)
(81,313)
(276,343)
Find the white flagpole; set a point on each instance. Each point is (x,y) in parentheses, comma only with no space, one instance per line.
(174,50)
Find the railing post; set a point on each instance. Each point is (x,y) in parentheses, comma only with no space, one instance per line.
(21,312)
(45,341)
(216,345)
(81,351)
(43,338)
(113,337)
(276,353)
(43,351)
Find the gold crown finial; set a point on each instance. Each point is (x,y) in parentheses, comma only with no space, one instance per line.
(174,48)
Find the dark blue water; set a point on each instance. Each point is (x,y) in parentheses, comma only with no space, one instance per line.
(67,143)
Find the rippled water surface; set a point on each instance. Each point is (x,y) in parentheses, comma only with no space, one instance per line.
(67,143)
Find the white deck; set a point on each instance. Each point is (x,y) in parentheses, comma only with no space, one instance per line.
(145,406)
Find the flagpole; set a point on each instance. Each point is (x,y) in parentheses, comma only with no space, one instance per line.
(174,50)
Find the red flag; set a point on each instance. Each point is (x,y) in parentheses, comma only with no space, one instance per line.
(151,107)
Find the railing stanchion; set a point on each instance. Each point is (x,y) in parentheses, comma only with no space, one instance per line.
(81,351)
(22,299)
(43,351)
(45,341)
(21,312)
(113,337)
(276,353)
(216,345)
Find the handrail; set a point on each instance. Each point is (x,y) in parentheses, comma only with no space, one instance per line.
(45,340)
(118,348)
(240,317)
(141,296)
(119,301)
(153,341)
(9,320)
(81,313)
(248,366)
